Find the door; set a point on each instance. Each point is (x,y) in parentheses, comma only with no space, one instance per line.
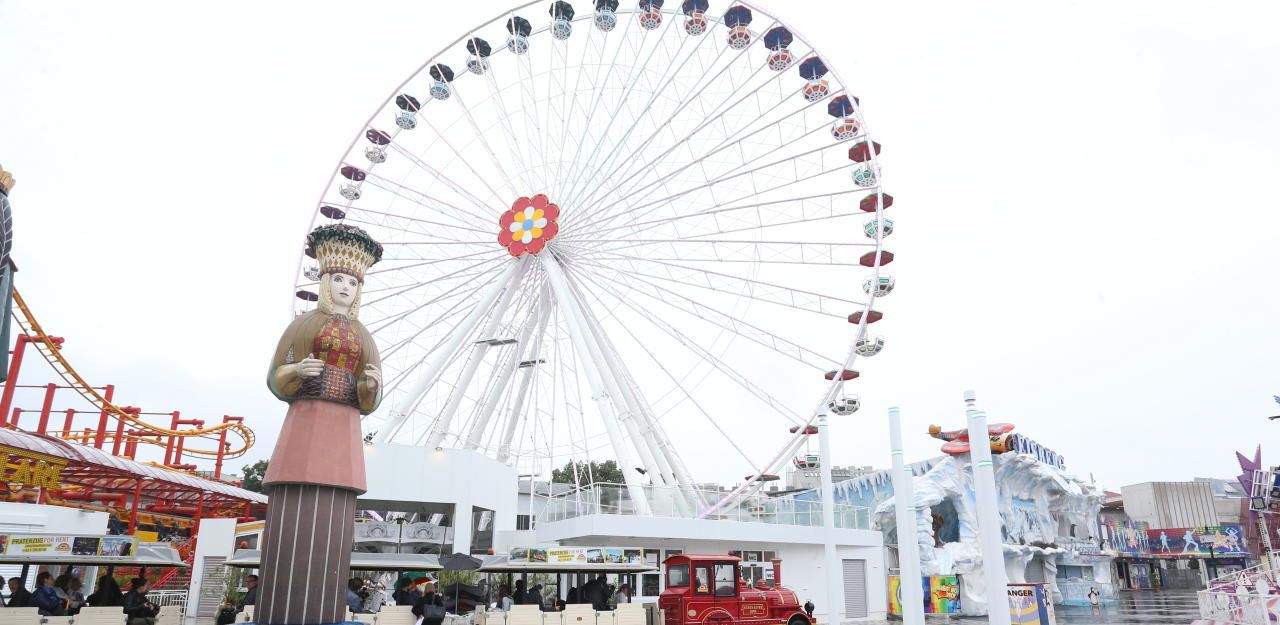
(855,589)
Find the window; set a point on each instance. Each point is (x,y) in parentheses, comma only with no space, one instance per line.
(726,581)
(702,580)
(524,522)
(677,575)
(649,585)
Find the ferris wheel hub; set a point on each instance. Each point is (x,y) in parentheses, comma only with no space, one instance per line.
(529,225)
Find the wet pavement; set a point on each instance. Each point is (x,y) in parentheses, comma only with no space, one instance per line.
(1178,607)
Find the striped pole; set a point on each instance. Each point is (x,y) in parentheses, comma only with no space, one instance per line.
(984,488)
(905,515)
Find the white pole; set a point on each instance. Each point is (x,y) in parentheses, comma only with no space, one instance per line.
(400,413)
(580,337)
(478,350)
(835,575)
(905,513)
(984,487)
(517,405)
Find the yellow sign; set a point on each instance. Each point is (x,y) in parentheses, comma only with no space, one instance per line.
(35,473)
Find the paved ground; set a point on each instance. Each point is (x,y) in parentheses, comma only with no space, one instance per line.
(1136,608)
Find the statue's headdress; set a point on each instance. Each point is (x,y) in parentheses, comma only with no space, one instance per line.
(341,248)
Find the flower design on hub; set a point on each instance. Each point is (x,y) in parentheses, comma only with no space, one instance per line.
(528,226)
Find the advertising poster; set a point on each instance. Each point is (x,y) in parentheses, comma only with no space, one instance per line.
(1028,605)
(562,555)
(121,546)
(1128,538)
(613,556)
(39,546)
(941,594)
(86,545)
(537,554)
(1216,541)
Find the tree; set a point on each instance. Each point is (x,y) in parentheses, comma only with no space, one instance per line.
(253,475)
(606,471)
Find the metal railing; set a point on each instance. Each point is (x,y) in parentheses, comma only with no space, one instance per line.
(1241,608)
(163,598)
(675,502)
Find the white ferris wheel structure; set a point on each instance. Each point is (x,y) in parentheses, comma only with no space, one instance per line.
(614,231)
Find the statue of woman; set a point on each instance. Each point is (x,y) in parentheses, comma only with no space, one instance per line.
(326,367)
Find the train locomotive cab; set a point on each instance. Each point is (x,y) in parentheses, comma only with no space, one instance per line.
(709,590)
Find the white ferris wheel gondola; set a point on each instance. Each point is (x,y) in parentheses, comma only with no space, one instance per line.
(604,240)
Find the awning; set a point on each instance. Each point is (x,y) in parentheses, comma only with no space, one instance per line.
(503,564)
(97,469)
(252,558)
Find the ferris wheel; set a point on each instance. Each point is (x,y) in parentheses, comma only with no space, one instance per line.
(648,233)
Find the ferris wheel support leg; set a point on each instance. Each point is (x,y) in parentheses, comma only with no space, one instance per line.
(473,361)
(504,378)
(579,336)
(653,437)
(400,414)
(609,372)
(517,406)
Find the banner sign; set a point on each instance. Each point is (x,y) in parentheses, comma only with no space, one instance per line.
(580,555)
(941,594)
(31,469)
(1220,541)
(70,547)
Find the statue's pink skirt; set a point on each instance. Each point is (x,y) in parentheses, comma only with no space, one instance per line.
(319,444)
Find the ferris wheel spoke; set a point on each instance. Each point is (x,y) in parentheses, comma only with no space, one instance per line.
(458,157)
(689,99)
(732,175)
(425,200)
(719,319)
(458,290)
(517,148)
(721,366)
(531,94)
(687,395)
(402,289)
(710,217)
(608,162)
(453,185)
(385,224)
(798,299)
(649,171)
(633,79)
(736,251)
(707,123)
(778,208)
(484,142)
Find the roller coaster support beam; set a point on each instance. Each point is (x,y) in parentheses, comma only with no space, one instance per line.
(101,438)
(182,440)
(119,438)
(46,408)
(66,423)
(222,446)
(137,500)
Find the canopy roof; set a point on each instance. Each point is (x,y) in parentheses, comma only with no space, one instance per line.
(503,563)
(147,554)
(99,470)
(252,558)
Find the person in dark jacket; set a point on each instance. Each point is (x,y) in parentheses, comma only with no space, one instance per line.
(108,593)
(19,597)
(405,593)
(140,610)
(251,595)
(596,592)
(46,598)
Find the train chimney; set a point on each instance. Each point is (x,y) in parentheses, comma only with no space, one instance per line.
(777,572)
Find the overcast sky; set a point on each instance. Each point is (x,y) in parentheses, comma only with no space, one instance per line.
(1085,205)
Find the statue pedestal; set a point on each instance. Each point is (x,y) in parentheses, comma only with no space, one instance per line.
(306,555)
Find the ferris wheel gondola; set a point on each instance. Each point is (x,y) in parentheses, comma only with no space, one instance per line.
(605,241)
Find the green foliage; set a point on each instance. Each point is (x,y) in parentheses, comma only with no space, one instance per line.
(607,471)
(253,475)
